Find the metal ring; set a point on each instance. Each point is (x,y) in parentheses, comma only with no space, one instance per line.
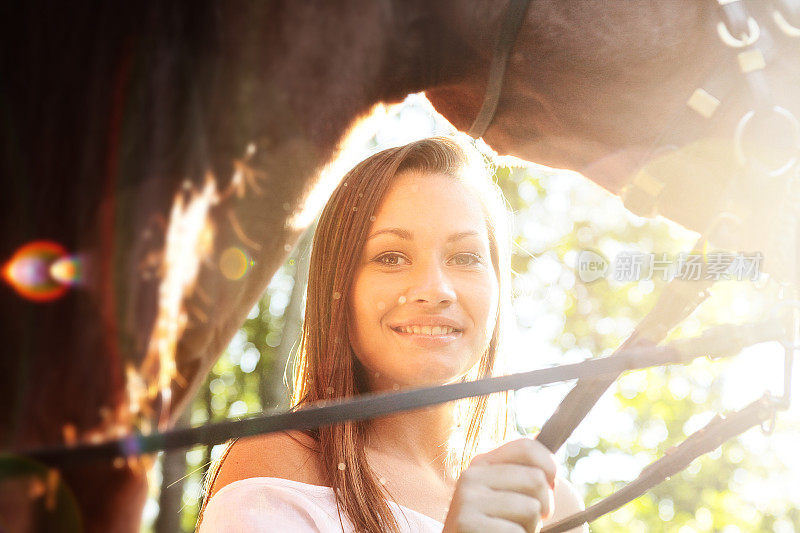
(753,33)
(745,161)
(783,24)
(769,429)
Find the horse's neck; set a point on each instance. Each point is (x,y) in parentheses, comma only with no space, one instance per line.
(290,82)
(330,63)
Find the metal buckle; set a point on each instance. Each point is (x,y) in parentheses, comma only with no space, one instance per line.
(745,40)
(743,158)
(783,24)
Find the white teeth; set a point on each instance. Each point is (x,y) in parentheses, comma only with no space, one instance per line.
(427,330)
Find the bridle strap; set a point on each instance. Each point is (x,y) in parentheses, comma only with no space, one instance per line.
(515,14)
(677,458)
(676,302)
(372,405)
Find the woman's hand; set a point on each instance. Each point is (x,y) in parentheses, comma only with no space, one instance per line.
(509,489)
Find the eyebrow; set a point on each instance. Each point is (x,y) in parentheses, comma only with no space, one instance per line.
(405,234)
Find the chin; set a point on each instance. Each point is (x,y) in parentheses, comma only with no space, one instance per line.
(440,375)
(416,372)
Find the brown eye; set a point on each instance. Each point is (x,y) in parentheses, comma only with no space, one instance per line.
(391,259)
(466,259)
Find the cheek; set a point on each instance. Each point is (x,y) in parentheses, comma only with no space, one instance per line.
(364,302)
(485,301)
(365,309)
(492,308)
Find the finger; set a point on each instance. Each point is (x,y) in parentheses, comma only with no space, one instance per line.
(514,507)
(489,524)
(528,480)
(526,452)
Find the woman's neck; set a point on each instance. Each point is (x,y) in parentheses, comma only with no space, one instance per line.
(419,438)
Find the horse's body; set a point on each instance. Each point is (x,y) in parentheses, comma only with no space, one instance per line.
(106,114)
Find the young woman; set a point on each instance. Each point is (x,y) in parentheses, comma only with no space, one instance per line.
(408,287)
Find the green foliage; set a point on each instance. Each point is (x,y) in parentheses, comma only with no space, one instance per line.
(661,406)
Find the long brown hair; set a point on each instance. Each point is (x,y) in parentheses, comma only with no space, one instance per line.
(325,366)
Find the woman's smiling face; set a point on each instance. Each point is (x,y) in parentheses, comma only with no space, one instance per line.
(424,299)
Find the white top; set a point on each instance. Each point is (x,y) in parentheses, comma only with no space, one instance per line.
(266,504)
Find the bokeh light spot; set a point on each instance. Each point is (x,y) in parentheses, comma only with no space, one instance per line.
(233,263)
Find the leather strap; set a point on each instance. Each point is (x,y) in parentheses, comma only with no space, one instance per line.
(514,16)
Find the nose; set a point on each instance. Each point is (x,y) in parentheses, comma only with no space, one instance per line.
(430,284)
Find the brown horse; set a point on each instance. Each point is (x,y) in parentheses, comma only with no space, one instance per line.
(155,139)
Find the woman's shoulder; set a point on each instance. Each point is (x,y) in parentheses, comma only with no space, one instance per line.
(288,455)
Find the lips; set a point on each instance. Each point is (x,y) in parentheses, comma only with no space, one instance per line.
(428,341)
(429,331)
(428,325)
(426,330)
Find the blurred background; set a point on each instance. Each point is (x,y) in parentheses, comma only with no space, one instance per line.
(749,484)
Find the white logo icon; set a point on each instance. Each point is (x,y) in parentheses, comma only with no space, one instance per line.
(591,266)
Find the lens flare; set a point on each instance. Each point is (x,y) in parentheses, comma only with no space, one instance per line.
(29,271)
(68,270)
(233,263)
